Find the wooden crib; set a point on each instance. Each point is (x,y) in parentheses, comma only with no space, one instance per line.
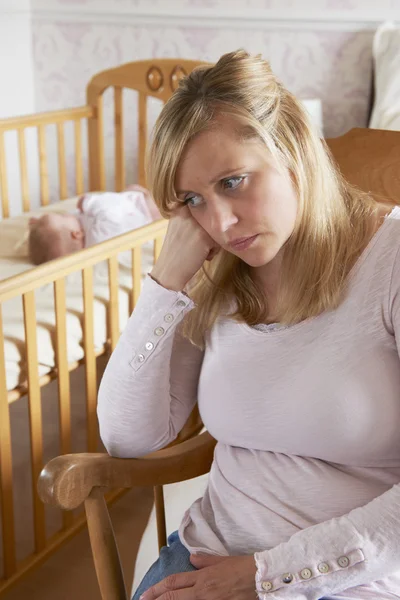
(158,79)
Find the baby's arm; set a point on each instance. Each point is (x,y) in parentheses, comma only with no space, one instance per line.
(154,212)
(114,206)
(94,203)
(79,204)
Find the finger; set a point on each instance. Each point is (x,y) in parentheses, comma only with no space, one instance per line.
(177,581)
(200,561)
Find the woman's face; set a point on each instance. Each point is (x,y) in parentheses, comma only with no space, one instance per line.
(236,194)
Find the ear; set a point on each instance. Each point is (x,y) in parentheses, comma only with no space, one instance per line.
(77,234)
(32,221)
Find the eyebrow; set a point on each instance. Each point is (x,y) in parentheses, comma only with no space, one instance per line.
(217,178)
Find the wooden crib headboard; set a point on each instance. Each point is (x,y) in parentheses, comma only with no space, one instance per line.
(158,78)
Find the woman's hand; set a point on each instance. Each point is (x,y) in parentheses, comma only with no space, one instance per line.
(218,578)
(186,247)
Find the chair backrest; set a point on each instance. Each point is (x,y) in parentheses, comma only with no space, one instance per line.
(158,78)
(370,159)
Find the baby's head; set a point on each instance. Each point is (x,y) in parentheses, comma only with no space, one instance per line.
(53,235)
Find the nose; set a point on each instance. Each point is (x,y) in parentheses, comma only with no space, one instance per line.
(221,216)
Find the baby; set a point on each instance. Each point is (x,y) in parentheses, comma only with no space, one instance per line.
(99,217)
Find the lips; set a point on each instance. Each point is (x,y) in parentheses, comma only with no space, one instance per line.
(242,243)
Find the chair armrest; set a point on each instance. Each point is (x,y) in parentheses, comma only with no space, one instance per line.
(66,481)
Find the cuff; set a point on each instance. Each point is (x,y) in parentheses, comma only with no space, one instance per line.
(157,312)
(269,579)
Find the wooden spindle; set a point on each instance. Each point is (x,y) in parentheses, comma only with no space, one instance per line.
(90,359)
(100,130)
(78,157)
(23,171)
(35,416)
(160,516)
(114,300)
(105,551)
(44,176)
(136,275)
(62,366)
(142,142)
(62,168)
(64,405)
(5,207)
(119,140)
(6,479)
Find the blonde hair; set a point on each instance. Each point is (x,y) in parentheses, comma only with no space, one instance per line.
(47,243)
(334,221)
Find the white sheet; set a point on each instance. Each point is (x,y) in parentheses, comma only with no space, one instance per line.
(14,260)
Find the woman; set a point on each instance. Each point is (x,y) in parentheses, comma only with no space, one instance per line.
(287,340)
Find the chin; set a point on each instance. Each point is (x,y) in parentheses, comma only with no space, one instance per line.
(259,259)
(255,263)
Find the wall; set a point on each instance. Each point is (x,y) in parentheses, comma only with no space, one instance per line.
(17,94)
(16,62)
(319,48)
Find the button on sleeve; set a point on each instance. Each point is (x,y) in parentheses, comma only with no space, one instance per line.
(164,319)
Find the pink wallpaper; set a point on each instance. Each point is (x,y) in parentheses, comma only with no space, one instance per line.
(332,65)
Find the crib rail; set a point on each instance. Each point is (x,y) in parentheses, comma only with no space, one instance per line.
(40,122)
(149,78)
(44,158)
(24,285)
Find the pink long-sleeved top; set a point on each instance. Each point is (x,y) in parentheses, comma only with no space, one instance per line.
(306,470)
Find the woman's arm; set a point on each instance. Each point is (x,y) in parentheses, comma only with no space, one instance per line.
(355,549)
(149,386)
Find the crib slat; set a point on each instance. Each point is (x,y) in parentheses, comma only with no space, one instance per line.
(90,359)
(100,130)
(6,480)
(44,176)
(136,275)
(142,138)
(114,300)
(62,170)
(158,242)
(63,378)
(119,140)
(23,170)
(62,366)
(35,416)
(3,179)
(78,157)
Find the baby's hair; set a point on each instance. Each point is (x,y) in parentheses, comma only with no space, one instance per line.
(46,243)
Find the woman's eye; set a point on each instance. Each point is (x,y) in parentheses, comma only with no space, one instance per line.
(192,201)
(231,183)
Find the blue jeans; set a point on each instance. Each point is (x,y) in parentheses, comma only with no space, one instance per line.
(174,558)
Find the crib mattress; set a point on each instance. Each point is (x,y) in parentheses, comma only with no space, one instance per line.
(14,260)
